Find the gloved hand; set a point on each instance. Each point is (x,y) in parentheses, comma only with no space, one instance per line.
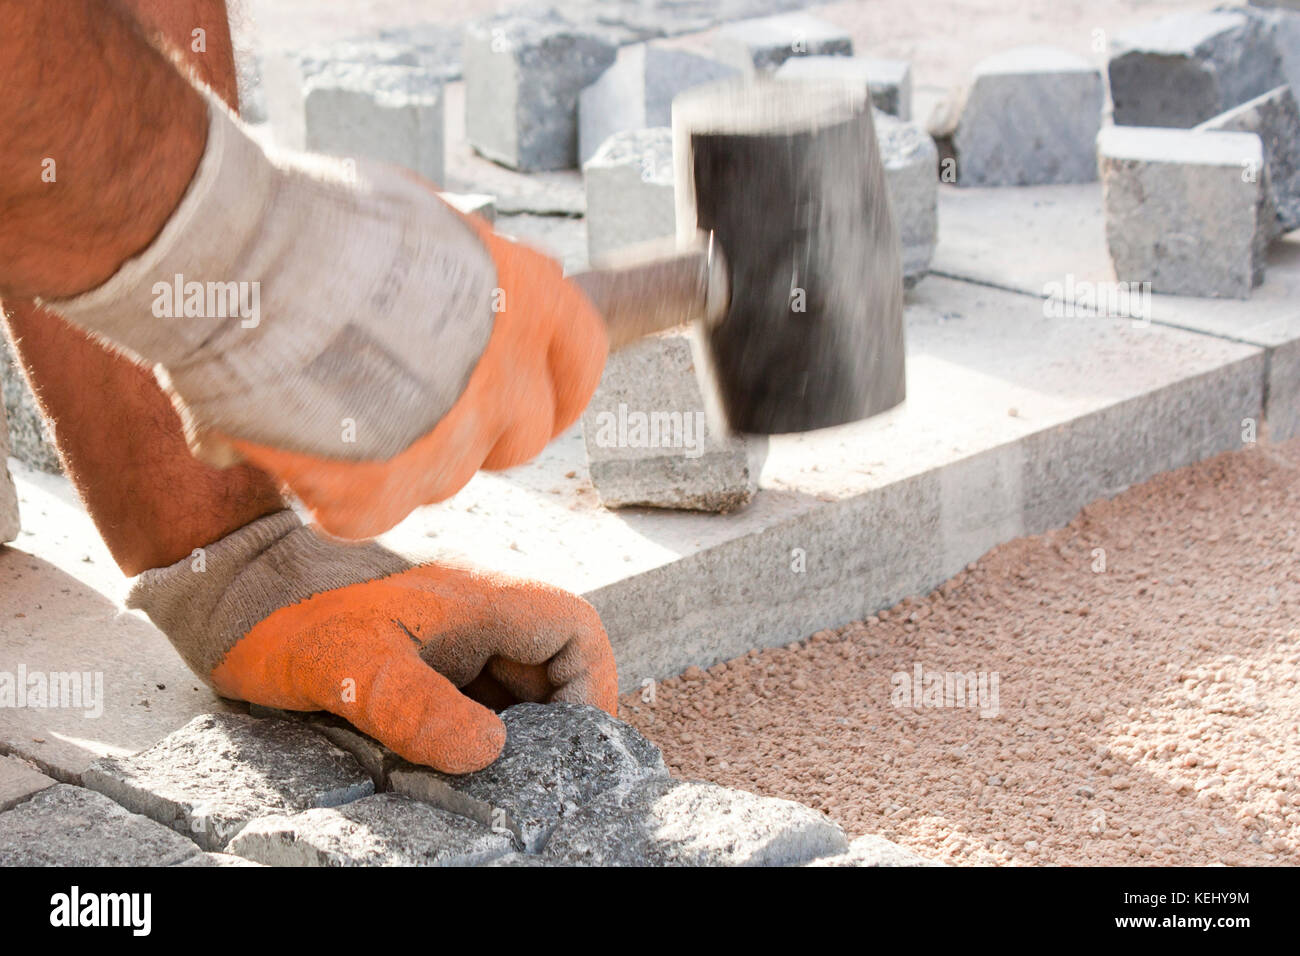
(276,615)
(347,332)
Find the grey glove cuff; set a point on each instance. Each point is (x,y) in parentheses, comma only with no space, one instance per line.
(207,602)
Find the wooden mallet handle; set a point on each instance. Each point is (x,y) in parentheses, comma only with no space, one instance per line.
(655,287)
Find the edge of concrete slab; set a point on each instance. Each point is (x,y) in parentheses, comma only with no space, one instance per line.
(1013,423)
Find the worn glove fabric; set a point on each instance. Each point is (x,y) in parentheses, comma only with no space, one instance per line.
(344,329)
(276,615)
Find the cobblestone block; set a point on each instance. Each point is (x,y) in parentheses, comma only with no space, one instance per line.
(764,44)
(1030,119)
(1183,211)
(71,826)
(381,830)
(523,74)
(666,822)
(1185,68)
(557,757)
(218,772)
(1275,118)
(888,81)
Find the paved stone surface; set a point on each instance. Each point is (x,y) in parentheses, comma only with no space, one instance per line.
(875,851)
(523,75)
(666,822)
(763,44)
(381,830)
(1186,68)
(1031,118)
(71,826)
(556,759)
(375,759)
(889,81)
(637,92)
(1181,211)
(60,613)
(216,859)
(29,440)
(1275,118)
(649,439)
(911,162)
(629,186)
(19,781)
(391,113)
(220,771)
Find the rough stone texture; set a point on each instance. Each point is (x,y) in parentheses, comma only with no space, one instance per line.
(216,859)
(667,822)
(522,859)
(1031,118)
(1282,26)
(18,781)
(1275,118)
(285,76)
(650,437)
(10,524)
(637,92)
(1185,68)
(888,81)
(71,826)
(764,44)
(911,162)
(218,772)
(390,112)
(29,438)
(1180,214)
(523,75)
(375,759)
(557,757)
(476,204)
(382,830)
(623,22)
(872,850)
(630,191)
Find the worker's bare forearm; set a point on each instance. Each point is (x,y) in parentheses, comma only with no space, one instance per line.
(102,134)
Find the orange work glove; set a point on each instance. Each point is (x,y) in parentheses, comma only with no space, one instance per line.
(347,331)
(540,368)
(279,616)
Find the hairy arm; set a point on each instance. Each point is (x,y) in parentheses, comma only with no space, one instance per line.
(102,134)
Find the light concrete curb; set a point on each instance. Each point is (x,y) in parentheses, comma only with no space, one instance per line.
(1050,241)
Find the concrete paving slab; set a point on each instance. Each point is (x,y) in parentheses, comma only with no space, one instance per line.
(1031,240)
(61,613)
(1013,422)
(19,781)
